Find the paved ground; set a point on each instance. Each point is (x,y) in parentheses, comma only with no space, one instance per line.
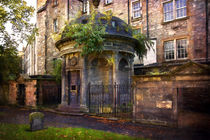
(20,116)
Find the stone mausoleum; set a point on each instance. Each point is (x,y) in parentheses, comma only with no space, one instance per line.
(113,65)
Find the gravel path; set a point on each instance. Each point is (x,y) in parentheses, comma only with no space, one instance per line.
(20,116)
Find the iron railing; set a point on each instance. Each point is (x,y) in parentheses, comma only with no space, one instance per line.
(110,100)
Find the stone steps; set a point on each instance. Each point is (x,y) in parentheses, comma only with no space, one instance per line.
(69,110)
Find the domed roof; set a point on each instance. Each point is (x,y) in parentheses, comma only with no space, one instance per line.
(115,27)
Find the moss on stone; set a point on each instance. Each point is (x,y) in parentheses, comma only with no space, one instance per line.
(35,115)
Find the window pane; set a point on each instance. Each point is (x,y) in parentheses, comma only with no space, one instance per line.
(181,48)
(169,50)
(136,31)
(108,1)
(168,11)
(180,8)
(136,9)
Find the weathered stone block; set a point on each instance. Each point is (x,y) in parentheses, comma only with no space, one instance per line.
(36,120)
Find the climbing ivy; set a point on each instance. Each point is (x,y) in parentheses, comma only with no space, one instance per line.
(88,36)
(57,70)
(144,44)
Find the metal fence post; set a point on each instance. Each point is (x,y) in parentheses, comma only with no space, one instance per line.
(89,98)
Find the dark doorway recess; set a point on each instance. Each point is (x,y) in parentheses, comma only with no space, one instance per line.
(21,94)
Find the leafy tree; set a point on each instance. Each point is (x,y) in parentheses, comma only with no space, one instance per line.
(17,14)
(57,70)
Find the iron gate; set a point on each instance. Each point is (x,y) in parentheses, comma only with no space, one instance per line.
(111,100)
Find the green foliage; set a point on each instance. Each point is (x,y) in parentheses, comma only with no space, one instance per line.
(4,93)
(57,70)
(88,36)
(18,132)
(144,44)
(17,14)
(10,64)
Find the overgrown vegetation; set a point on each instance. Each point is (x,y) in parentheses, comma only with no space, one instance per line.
(90,35)
(57,70)
(19,132)
(14,13)
(144,44)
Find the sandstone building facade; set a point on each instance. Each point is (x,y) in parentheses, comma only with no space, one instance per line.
(178,28)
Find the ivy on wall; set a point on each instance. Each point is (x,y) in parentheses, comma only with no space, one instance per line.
(89,36)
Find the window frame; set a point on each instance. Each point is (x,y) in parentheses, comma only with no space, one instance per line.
(139,31)
(174,11)
(55,25)
(85,6)
(176,49)
(107,2)
(139,9)
(55,3)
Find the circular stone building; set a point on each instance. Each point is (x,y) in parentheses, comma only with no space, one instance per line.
(85,77)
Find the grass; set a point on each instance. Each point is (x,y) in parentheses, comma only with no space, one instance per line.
(21,132)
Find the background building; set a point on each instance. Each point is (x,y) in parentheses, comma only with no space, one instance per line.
(179,29)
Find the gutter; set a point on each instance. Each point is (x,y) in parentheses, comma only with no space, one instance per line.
(129,12)
(207,31)
(147,16)
(68,3)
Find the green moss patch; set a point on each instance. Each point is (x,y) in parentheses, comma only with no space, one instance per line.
(19,132)
(35,115)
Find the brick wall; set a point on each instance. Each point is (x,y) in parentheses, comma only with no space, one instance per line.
(30,93)
(12,92)
(157,99)
(192,28)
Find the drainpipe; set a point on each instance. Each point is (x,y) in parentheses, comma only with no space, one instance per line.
(68,2)
(147,16)
(207,31)
(128,11)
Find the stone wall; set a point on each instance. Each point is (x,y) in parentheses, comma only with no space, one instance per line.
(45,46)
(192,27)
(30,91)
(12,92)
(47,91)
(158,99)
(4,94)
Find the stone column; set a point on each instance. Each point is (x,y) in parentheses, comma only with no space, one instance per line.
(115,67)
(84,85)
(63,82)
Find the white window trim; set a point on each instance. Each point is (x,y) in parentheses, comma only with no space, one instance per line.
(174,10)
(175,49)
(55,26)
(108,1)
(140,9)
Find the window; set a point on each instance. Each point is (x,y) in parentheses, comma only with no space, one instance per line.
(55,25)
(169,50)
(55,2)
(178,52)
(136,9)
(108,1)
(174,9)
(180,8)
(136,31)
(181,48)
(85,6)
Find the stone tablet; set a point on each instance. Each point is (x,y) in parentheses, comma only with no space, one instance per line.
(36,120)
